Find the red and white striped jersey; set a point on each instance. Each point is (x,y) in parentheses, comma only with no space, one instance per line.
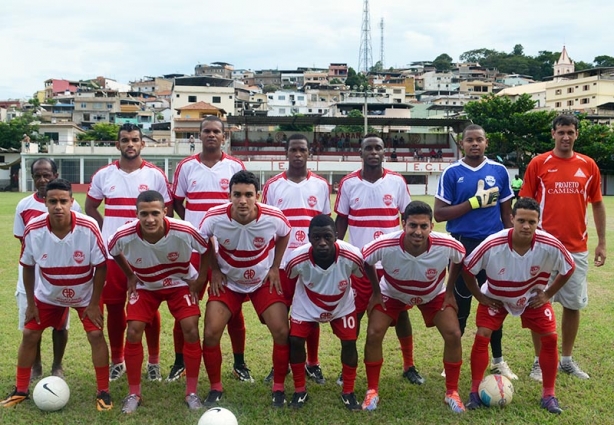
(299,202)
(510,276)
(413,280)
(203,187)
(120,189)
(28,208)
(65,266)
(372,209)
(323,295)
(245,252)
(164,264)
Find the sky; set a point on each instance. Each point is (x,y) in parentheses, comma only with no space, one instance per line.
(130,39)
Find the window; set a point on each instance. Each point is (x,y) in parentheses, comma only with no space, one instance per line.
(192,99)
(557,104)
(569,89)
(300,97)
(84,105)
(586,87)
(230,97)
(584,101)
(2,158)
(53,136)
(282,111)
(281,97)
(396,91)
(216,99)
(86,117)
(570,103)
(557,91)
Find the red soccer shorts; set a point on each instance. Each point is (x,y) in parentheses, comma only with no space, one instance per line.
(363,291)
(116,286)
(262,298)
(144,305)
(540,320)
(53,316)
(344,327)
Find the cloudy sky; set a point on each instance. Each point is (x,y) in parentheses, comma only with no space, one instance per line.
(126,40)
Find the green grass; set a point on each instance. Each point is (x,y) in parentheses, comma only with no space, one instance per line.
(401,402)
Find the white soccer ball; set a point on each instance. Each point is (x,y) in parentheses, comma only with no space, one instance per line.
(51,394)
(496,390)
(218,416)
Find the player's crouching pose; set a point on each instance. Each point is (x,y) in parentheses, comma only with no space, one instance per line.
(518,264)
(68,249)
(154,252)
(252,238)
(414,261)
(323,294)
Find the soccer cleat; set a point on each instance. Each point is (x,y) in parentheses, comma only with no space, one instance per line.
(279,398)
(14,398)
(371,400)
(551,404)
(103,401)
(315,372)
(298,400)
(153,372)
(269,377)
(131,403)
(413,376)
(177,371)
(116,371)
(350,402)
(241,372)
(453,400)
(213,398)
(536,372)
(474,402)
(193,402)
(502,369)
(572,368)
(340,380)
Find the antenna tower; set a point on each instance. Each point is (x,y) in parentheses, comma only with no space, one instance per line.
(365,56)
(381,45)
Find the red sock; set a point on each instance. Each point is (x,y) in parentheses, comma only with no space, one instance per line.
(134,363)
(281,357)
(192,355)
(212,356)
(22,382)
(348,373)
(548,361)
(452,375)
(298,374)
(236,332)
(116,329)
(178,337)
(479,361)
(313,344)
(152,334)
(373,370)
(102,378)
(407,349)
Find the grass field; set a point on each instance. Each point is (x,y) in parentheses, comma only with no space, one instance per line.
(584,401)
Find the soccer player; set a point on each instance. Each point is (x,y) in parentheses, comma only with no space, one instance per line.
(518,263)
(368,205)
(474,196)
(414,262)
(119,184)
(323,294)
(43,170)
(300,195)
(564,177)
(67,251)
(200,183)
(154,252)
(252,239)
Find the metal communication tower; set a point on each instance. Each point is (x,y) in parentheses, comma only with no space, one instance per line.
(381,46)
(365,56)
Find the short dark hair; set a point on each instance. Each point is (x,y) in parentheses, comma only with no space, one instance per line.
(210,118)
(127,127)
(60,184)
(245,177)
(565,119)
(51,162)
(472,127)
(150,196)
(417,208)
(297,136)
(322,220)
(526,204)
(370,136)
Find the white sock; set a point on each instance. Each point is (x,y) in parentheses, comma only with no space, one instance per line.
(536,359)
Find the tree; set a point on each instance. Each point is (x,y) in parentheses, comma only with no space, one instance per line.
(476,55)
(596,141)
(296,127)
(518,50)
(11,133)
(378,67)
(269,88)
(443,63)
(354,113)
(604,60)
(355,79)
(102,131)
(335,81)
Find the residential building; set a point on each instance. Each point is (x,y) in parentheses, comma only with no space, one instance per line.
(338,70)
(590,91)
(537,91)
(215,69)
(152,85)
(267,77)
(188,119)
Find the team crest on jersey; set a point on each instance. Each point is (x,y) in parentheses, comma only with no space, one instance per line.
(172,256)
(522,301)
(78,256)
(224,184)
(249,274)
(534,270)
(395,271)
(300,235)
(139,261)
(310,285)
(226,241)
(355,201)
(279,201)
(258,242)
(415,301)
(490,180)
(387,200)
(326,316)
(112,189)
(343,285)
(143,187)
(44,257)
(68,292)
(167,282)
(431,273)
(377,234)
(312,201)
(193,183)
(502,271)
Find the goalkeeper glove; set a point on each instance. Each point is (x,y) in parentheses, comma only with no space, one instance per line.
(484,198)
